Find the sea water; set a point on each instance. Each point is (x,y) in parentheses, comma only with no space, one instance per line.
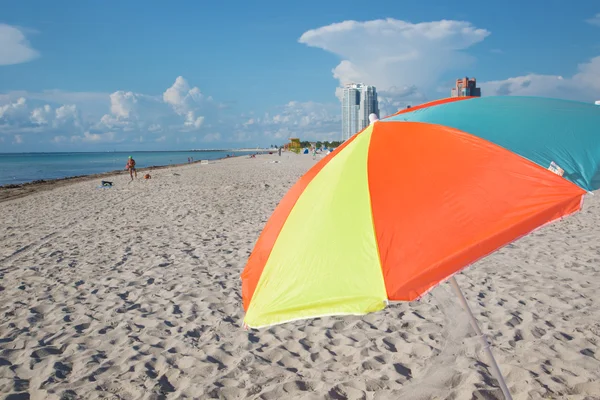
(18,168)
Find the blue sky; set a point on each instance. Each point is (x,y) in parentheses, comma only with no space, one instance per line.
(152,75)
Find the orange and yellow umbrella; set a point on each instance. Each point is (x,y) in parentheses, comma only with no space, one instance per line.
(407,203)
(415,198)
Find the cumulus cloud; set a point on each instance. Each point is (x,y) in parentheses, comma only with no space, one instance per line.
(311,120)
(41,115)
(402,59)
(122,116)
(14,46)
(67,113)
(13,112)
(212,137)
(186,101)
(406,61)
(132,111)
(89,137)
(154,128)
(583,86)
(179,109)
(22,116)
(192,121)
(123,103)
(595,20)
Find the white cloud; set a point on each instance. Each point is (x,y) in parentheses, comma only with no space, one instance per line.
(41,115)
(186,101)
(121,117)
(212,137)
(14,111)
(406,61)
(154,128)
(14,46)
(179,109)
(122,103)
(191,120)
(86,101)
(21,116)
(584,85)
(129,110)
(595,20)
(61,116)
(88,137)
(392,54)
(17,139)
(67,113)
(117,117)
(310,120)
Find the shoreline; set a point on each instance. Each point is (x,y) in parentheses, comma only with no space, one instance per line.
(15,191)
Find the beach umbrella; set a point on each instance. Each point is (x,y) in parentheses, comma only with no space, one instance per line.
(415,198)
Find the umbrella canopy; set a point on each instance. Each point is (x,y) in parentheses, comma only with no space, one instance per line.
(415,198)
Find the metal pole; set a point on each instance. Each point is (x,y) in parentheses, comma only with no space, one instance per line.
(486,345)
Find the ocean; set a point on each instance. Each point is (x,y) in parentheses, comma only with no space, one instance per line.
(18,168)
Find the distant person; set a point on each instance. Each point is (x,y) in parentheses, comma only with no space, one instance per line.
(131,167)
(280,152)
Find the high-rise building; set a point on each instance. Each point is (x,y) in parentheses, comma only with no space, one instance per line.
(358,102)
(466,87)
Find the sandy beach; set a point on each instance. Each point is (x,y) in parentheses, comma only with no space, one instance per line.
(133,292)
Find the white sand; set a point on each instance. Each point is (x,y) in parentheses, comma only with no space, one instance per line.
(134,292)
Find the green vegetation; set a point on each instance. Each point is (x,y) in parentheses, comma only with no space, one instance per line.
(333,144)
(307,144)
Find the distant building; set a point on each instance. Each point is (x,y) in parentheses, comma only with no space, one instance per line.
(358,102)
(466,87)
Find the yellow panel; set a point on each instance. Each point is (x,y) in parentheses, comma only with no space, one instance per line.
(325,260)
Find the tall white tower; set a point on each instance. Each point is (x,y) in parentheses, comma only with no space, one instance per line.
(368,105)
(358,102)
(350,109)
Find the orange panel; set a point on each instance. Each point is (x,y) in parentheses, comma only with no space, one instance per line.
(267,238)
(431,104)
(442,199)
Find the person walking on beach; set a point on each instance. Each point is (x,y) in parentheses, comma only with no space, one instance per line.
(131,167)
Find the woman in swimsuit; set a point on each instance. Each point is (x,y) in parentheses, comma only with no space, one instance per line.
(131,167)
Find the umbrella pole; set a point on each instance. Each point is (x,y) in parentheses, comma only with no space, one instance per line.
(486,345)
